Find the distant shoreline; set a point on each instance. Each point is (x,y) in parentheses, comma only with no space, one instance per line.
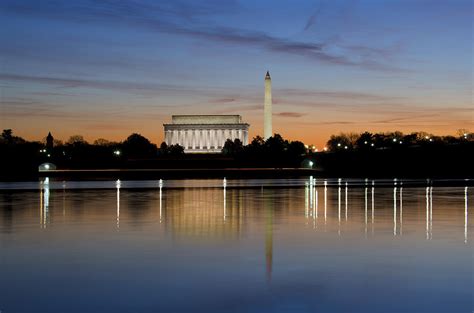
(180,173)
(203,173)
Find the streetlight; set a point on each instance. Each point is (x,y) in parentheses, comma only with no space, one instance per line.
(117,152)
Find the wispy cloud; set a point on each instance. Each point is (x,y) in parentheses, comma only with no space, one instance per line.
(120,86)
(192,19)
(290,114)
(335,94)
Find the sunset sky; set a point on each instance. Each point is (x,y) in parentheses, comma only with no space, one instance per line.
(105,69)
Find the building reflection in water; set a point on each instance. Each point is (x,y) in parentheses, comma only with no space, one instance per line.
(117,186)
(339,207)
(325,201)
(202,213)
(44,203)
(465,215)
(224,184)
(395,209)
(373,205)
(429,213)
(64,198)
(365,207)
(401,208)
(345,201)
(316,207)
(160,185)
(311,200)
(269,207)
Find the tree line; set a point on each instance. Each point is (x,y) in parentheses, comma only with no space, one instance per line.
(390,140)
(345,152)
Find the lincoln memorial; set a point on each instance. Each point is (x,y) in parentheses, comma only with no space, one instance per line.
(205,133)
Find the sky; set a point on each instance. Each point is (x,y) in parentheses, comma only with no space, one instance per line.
(106,69)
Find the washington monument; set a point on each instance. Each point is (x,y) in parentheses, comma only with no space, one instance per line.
(267,108)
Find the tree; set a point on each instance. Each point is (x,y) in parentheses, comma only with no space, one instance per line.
(232,148)
(8,138)
(138,146)
(276,145)
(296,149)
(175,150)
(337,142)
(76,140)
(364,141)
(7,135)
(257,141)
(101,142)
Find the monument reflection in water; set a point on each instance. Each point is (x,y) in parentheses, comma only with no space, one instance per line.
(296,245)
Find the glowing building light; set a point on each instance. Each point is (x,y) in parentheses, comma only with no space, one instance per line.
(345,147)
(338,144)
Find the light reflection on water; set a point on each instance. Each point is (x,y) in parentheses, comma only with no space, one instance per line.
(236,246)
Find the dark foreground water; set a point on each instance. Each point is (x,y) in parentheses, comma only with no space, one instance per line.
(298,245)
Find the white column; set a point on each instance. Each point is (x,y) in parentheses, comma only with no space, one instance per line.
(198,146)
(223,138)
(175,137)
(189,138)
(185,139)
(211,134)
(200,139)
(214,138)
(196,142)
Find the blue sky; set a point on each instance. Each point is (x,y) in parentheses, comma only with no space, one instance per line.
(110,68)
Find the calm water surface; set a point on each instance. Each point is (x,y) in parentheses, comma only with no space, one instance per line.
(293,245)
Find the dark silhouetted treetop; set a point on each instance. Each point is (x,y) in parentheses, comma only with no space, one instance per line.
(76,140)
(171,150)
(138,146)
(8,138)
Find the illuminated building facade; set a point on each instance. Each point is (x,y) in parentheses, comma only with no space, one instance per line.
(205,133)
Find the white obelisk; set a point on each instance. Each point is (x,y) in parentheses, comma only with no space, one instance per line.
(267,108)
